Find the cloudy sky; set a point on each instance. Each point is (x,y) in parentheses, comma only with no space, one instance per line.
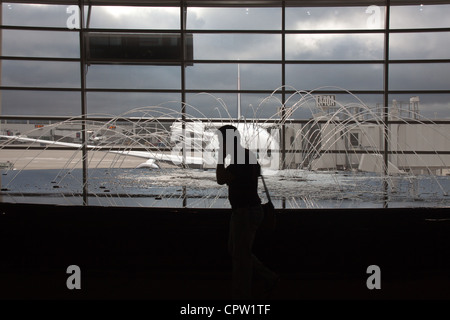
(217,76)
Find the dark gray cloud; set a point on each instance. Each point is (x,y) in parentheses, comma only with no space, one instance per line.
(428,76)
(221,47)
(347,76)
(135,18)
(41,103)
(17,14)
(41,74)
(420,16)
(334,47)
(225,76)
(420,46)
(134,77)
(234,18)
(117,103)
(237,46)
(54,44)
(335,18)
(226,105)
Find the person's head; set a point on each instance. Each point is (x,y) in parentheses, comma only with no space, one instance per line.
(229,138)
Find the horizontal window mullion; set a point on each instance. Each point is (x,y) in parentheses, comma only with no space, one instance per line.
(329,91)
(29,28)
(334,61)
(423,30)
(133,62)
(419,152)
(397,61)
(230,31)
(34,118)
(227,91)
(133,90)
(417,91)
(414,122)
(133,3)
(277,61)
(171,62)
(82,118)
(331,31)
(324,31)
(65,2)
(40,59)
(106,30)
(39,88)
(357,151)
(315,91)
(289,121)
(234,61)
(290,151)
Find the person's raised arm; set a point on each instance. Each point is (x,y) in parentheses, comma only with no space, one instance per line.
(222,175)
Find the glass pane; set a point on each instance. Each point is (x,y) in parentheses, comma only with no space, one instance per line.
(38,15)
(430,76)
(308,104)
(42,176)
(348,76)
(420,137)
(234,18)
(335,18)
(237,46)
(334,46)
(117,17)
(211,105)
(54,44)
(225,105)
(260,106)
(299,106)
(338,138)
(129,103)
(421,106)
(133,77)
(260,76)
(228,76)
(420,16)
(419,45)
(40,74)
(40,103)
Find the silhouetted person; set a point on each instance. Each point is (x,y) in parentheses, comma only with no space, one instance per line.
(241,176)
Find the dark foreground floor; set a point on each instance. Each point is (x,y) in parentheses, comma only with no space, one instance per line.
(180,255)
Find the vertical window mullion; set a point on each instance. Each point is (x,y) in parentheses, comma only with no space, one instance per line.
(283,83)
(386,99)
(83,102)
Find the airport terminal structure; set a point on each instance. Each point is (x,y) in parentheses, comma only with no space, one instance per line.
(324,142)
(109,111)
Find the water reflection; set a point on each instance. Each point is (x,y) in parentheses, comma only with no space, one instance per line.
(193,188)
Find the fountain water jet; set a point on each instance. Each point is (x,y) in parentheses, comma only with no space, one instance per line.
(326,161)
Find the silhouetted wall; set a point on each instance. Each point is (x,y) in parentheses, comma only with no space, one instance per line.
(40,241)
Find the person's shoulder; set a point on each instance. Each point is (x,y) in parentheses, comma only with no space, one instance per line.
(230,167)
